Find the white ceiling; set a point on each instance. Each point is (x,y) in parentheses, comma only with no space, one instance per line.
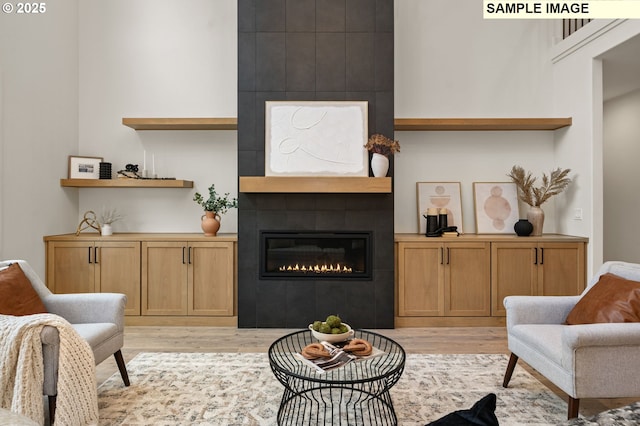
(621,69)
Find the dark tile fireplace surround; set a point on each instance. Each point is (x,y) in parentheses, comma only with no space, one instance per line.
(313,50)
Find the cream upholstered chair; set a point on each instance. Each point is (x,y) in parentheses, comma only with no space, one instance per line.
(97,317)
(584,361)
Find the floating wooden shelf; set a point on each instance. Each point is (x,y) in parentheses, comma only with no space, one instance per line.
(312,184)
(126,183)
(401,124)
(422,124)
(230,123)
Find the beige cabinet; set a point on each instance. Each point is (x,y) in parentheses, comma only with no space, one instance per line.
(82,266)
(169,278)
(188,278)
(549,268)
(443,278)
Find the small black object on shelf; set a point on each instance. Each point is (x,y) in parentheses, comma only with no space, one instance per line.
(105,170)
(523,228)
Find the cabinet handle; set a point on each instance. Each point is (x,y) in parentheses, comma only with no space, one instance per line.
(89,248)
(183,262)
(441,256)
(448,256)
(535,250)
(95,255)
(189,255)
(542,256)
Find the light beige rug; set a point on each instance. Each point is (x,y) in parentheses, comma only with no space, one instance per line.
(240,389)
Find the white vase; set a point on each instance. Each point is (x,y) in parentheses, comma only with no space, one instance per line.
(379,165)
(106,230)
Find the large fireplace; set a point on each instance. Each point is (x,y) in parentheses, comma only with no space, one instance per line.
(314,51)
(315,255)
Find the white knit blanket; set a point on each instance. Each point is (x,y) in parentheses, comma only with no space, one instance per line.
(21,375)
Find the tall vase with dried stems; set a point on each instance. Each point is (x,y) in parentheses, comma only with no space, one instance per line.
(534,196)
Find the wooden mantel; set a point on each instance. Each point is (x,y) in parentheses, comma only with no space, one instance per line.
(314,184)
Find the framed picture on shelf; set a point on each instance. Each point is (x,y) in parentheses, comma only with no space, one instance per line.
(84,167)
(496,207)
(316,138)
(440,195)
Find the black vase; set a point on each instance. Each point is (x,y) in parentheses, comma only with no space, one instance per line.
(523,228)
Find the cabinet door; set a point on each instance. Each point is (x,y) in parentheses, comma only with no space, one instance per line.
(118,271)
(562,269)
(467,279)
(211,278)
(420,279)
(164,278)
(514,271)
(70,267)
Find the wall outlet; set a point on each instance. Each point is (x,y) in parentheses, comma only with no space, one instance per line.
(577,214)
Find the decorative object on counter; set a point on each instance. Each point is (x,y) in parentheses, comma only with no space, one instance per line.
(105,170)
(381,148)
(214,207)
(437,223)
(88,221)
(496,207)
(84,167)
(523,228)
(107,217)
(552,185)
(131,171)
(445,197)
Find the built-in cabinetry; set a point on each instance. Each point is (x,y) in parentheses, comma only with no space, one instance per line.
(168,278)
(86,266)
(187,278)
(463,280)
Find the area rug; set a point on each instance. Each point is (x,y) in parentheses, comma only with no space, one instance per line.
(240,389)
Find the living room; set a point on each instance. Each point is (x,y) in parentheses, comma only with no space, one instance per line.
(71,75)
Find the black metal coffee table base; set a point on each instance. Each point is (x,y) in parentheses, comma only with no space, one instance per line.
(354,394)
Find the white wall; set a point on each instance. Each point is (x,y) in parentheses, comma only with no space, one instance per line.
(152,58)
(621,178)
(578,93)
(39,87)
(450,62)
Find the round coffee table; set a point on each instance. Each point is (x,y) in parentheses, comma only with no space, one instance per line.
(354,394)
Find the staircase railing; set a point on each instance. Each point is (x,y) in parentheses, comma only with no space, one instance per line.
(570,26)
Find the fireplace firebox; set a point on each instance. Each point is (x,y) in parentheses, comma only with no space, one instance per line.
(315,255)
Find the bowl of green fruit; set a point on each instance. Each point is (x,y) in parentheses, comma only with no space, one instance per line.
(332,330)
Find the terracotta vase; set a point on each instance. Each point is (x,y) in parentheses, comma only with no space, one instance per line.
(535,215)
(379,165)
(210,223)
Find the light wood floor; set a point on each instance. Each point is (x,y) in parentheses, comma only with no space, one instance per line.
(437,340)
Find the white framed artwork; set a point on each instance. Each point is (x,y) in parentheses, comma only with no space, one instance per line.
(496,207)
(316,138)
(442,195)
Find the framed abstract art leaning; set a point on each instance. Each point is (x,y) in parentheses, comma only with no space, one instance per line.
(316,138)
(496,207)
(442,195)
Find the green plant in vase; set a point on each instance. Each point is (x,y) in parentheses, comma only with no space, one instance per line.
(214,207)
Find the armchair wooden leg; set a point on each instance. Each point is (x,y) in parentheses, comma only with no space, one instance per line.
(513,360)
(574,404)
(122,367)
(52,408)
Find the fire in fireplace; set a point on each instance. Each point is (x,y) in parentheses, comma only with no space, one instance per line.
(315,255)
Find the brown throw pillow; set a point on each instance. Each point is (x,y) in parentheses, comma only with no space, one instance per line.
(17,296)
(611,299)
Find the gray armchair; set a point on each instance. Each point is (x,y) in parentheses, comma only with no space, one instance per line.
(97,317)
(584,361)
